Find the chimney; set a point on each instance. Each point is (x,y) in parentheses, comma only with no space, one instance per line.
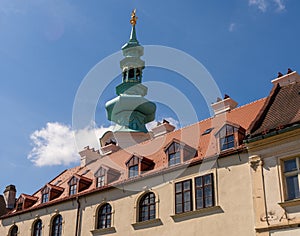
(162,128)
(224,105)
(290,77)
(10,196)
(88,155)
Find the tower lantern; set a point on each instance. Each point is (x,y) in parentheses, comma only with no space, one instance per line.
(130,110)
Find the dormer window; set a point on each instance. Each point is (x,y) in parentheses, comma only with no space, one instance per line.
(100,177)
(78,183)
(178,152)
(45,194)
(106,175)
(227,137)
(73,186)
(20,204)
(50,192)
(173,153)
(133,170)
(230,136)
(25,201)
(136,165)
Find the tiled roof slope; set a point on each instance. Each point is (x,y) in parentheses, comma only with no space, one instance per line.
(2,205)
(282,109)
(206,146)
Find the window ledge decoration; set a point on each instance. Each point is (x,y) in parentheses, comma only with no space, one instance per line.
(290,203)
(197,213)
(103,231)
(147,224)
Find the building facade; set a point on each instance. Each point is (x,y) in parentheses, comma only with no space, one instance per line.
(235,173)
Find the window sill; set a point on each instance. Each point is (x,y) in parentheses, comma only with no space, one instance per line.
(103,231)
(290,203)
(197,213)
(147,224)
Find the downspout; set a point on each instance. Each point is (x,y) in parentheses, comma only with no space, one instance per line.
(77,216)
(264,191)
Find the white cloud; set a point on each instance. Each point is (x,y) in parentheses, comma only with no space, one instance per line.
(90,136)
(55,144)
(232,27)
(262,5)
(280,5)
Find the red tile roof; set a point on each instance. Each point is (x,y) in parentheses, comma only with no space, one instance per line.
(282,109)
(206,146)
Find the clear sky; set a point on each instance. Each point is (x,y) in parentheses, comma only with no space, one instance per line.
(48,46)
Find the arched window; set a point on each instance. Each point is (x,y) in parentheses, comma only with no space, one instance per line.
(57,226)
(14,231)
(37,228)
(104,216)
(147,207)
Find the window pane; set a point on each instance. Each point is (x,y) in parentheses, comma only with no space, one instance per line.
(292,187)
(187,196)
(186,185)
(133,171)
(198,181)
(187,206)
(290,165)
(230,139)
(229,129)
(199,193)
(208,191)
(178,198)
(208,202)
(179,208)
(207,179)
(199,203)
(178,187)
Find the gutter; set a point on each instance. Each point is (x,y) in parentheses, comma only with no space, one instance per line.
(77,216)
(271,134)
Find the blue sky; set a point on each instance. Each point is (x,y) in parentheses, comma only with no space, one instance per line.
(48,46)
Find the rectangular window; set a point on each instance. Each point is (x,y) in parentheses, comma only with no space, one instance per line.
(183,196)
(133,171)
(227,142)
(101,181)
(73,189)
(204,191)
(291,175)
(45,197)
(174,158)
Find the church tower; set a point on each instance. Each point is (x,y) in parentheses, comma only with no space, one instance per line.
(130,110)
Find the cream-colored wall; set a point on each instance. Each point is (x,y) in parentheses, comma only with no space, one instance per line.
(271,151)
(25,221)
(233,216)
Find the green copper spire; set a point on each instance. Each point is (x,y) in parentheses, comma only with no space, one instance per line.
(133,42)
(130,110)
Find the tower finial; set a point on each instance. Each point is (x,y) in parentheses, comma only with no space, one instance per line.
(133,18)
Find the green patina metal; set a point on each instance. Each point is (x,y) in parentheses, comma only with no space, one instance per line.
(130,110)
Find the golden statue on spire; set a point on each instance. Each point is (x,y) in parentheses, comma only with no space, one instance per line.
(133,18)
